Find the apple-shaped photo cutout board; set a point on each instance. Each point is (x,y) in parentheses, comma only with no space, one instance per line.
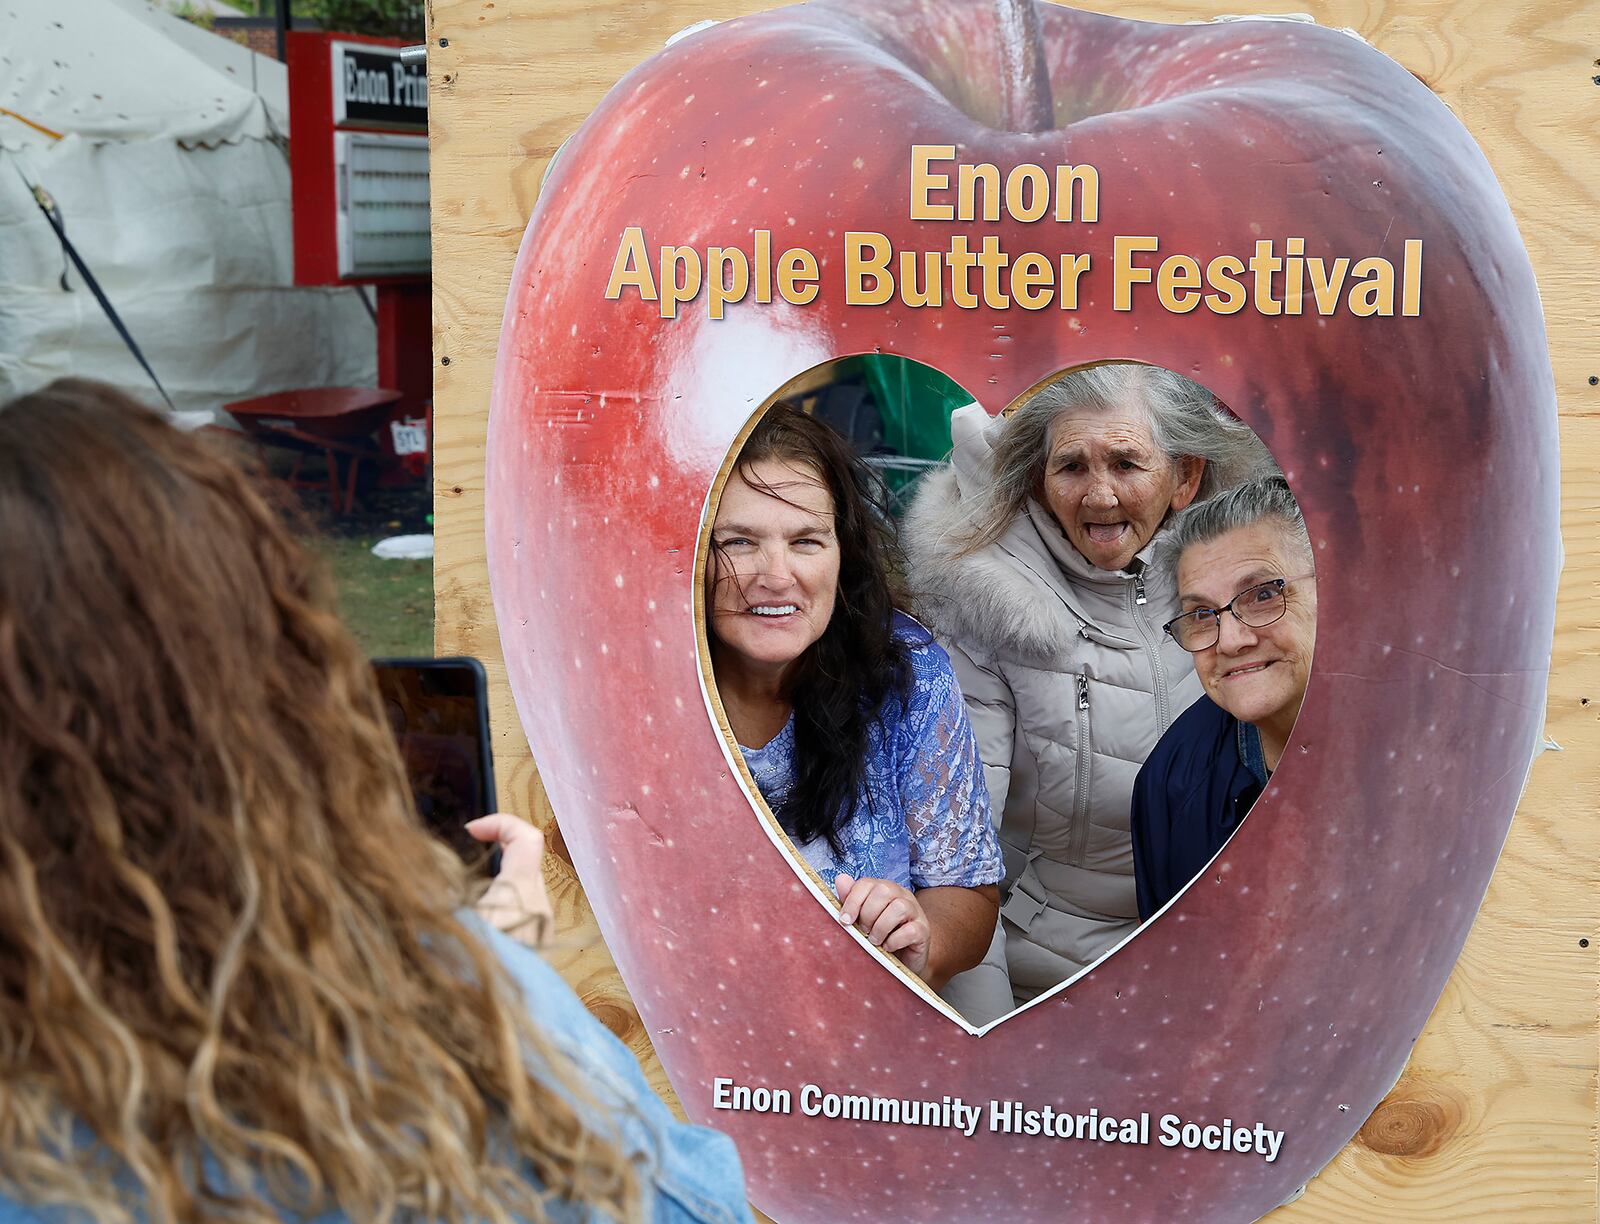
(1281,993)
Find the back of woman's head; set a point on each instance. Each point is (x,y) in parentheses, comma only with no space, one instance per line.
(229,956)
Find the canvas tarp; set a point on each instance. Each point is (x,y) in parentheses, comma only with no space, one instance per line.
(173,184)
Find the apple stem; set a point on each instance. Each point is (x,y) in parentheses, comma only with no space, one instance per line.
(1025,102)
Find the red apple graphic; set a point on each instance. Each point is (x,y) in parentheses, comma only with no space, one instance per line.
(1287,985)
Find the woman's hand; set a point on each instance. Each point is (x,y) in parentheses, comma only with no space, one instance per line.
(889,915)
(516,901)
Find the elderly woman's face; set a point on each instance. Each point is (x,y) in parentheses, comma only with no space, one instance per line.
(1258,674)
(775,563)
(1108,484)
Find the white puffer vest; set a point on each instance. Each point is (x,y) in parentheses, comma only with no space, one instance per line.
(1069,682)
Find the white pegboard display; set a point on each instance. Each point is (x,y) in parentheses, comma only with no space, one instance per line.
(383,204)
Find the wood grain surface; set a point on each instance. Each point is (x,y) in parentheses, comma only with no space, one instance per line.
(1495,1118)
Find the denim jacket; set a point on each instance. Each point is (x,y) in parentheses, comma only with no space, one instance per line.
(693,1174)
(688,1174)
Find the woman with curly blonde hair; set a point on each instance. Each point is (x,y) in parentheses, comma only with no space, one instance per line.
(237,978)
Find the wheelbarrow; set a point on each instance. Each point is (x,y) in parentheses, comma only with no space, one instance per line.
(338,422)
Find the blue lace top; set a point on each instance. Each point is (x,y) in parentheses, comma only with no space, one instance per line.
(922,817)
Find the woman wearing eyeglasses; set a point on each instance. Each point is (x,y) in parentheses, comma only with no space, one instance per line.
(1249,618)
(1029,556)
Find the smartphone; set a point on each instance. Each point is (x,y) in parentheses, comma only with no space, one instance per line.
(439,711)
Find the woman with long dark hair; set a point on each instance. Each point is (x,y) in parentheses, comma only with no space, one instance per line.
(238,979)
(847,712)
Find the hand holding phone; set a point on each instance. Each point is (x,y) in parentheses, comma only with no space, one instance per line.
(516,901)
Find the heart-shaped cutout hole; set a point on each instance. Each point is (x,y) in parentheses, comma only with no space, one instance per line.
(1034,565)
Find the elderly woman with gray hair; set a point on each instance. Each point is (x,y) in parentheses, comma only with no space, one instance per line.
(1248,616)
(1030,554)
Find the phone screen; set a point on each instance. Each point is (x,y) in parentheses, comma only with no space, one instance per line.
(438,709)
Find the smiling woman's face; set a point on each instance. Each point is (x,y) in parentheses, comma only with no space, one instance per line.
(1109,485)
(1256,674)
(775,565)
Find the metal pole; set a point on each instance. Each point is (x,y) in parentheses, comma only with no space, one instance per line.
(282,15)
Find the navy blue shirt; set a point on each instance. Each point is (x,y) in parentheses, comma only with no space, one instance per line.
(1189,797)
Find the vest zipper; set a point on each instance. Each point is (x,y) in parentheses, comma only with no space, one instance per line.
(1152,644)
(1080,807)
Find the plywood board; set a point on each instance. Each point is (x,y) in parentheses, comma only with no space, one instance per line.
(1496,1116)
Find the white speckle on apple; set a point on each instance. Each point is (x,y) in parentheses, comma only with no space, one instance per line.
(732,365)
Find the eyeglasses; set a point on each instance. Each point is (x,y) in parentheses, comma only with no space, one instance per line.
(1256,607)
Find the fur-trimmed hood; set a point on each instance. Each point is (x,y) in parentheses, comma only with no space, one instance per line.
(1028,595)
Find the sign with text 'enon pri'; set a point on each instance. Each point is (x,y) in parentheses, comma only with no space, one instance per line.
(372,88)
(359,160)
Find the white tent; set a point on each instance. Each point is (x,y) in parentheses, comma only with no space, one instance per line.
(163,146)
(266,78)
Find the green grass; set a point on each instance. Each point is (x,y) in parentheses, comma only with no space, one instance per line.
(388,605)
